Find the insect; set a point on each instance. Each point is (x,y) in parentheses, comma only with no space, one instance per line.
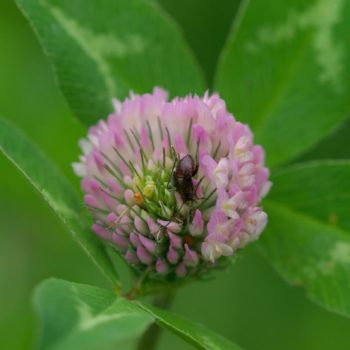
(185,169)
(182,174)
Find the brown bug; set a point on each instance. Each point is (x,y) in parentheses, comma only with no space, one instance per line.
(185,169)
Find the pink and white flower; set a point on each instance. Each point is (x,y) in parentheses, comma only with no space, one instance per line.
(128,167)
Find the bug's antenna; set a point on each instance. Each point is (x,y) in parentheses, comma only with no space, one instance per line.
(197,158)
(172,150)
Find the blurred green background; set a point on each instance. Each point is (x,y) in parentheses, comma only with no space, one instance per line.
(249,304)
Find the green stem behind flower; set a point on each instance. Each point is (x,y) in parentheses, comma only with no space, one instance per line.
(150,338)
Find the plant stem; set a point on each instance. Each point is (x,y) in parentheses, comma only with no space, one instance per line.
(150,338)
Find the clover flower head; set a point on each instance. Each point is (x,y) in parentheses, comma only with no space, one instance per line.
(174,186)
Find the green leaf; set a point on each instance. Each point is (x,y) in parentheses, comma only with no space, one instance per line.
(191,332)
(213,23)
(101,49)
(308,235)
(286,72)
(56,191)
(74,316)
(334,146)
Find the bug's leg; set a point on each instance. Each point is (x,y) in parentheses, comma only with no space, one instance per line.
(205,199)
(195,169)
(197,186)
(191,213)
(164,227)
(181,206)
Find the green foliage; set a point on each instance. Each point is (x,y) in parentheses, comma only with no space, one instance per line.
(56,191)
(191,332)
(205,33)
(101,49)
(286,72)
(76,316)
(308,237)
